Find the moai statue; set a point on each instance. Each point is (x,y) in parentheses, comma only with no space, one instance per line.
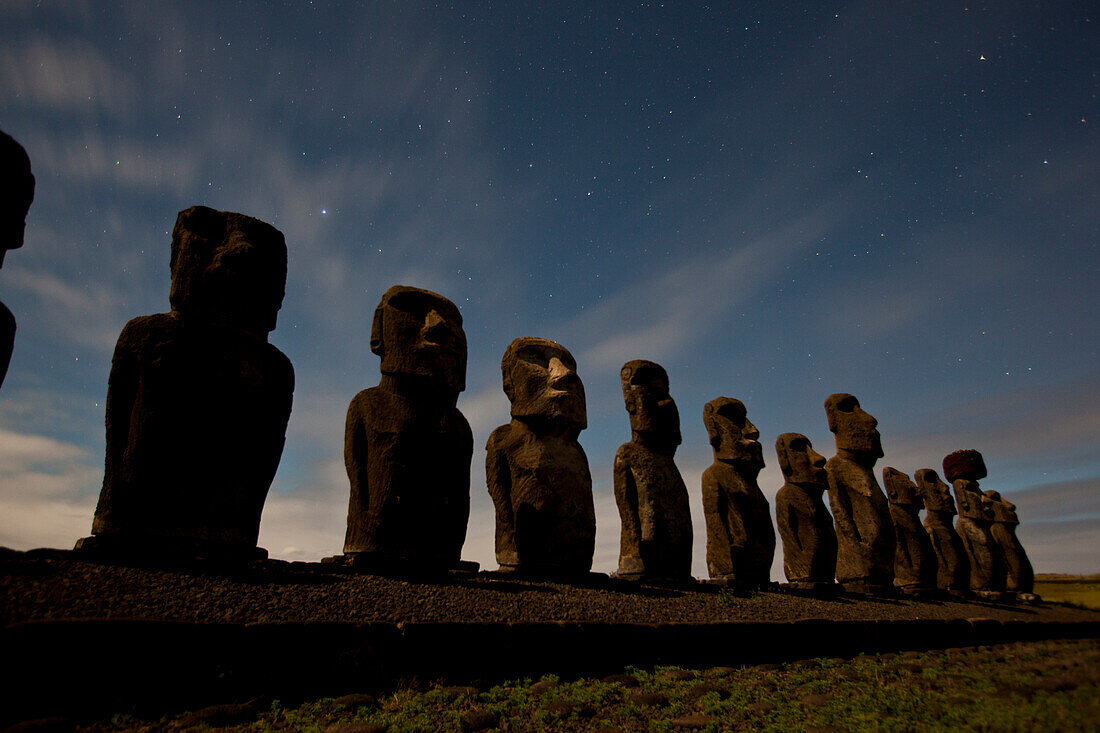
(653,501)
(1019,575)
(407,448)
(952,563)
(740,537)
(914,558)
(16,195)
(536,471)
(198,400)
(864,530)
(809,540)
(963,469)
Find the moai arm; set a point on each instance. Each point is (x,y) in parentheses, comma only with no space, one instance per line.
(716,513)
(122,386)
(355,462)
(792,527)
(462,506)
(626,496)
(498,477)
(841,505)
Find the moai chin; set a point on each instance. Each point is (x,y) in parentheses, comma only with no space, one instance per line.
(407,448)
(198,400)
(809,540)
(536,471)
(963,469)
(16,195)
(653,502)
(1019,575)
(914,558)
(952,563)
(740,537)
(864,530)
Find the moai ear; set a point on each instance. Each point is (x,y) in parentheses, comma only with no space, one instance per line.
(633,401)
(376,341)
(711,424)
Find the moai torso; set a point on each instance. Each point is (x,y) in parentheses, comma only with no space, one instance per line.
(656,535)
(536,471)
(952,563)
(407,448)
(16,195)
(740,537)
(864,529)
(914,558)
(1019,575)
(809,540)
(198,401)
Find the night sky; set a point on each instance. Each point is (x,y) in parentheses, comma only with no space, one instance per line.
(898,200)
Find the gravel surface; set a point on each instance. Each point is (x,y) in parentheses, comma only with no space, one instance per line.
(56,584)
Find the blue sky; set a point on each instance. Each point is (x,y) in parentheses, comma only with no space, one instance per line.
(775,204)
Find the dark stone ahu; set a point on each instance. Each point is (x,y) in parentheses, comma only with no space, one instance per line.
(864,530)
(198,400)
(963,469)
(740,537)
(653,501)
(1019,576)
(407,448)
(914,558)
(536,471)
(809,540)
(952,563)
(16,195)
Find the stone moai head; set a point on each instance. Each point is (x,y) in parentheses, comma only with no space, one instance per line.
(900,490)
(799,462)
(419,333)
(964,464)
(541,382)
(227,269)
(16,193)
(734,439)
(937,494)
(855,430)
(652,410)
(1003,510)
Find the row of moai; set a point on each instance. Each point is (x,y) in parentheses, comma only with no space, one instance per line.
(198,403)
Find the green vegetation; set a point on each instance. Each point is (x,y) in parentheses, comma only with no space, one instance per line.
(1078,590)
(1023,686)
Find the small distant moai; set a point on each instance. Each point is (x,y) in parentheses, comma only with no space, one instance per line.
(407,448)
(536,471)
(1019,575)
(740,537)
(914,558)
(809,540)
(963,469)
(653,502)
(198,400)
(864,530)
(952,563)
(16,195)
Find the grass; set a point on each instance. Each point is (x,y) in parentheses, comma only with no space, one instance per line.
(1049,685)
(1078,590)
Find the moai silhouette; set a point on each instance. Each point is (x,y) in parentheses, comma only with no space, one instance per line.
(740,537)
(963,469)
(914,558)
(198,400)
(407,448)
(16,195)
(1019,575)
(864,530)
(536,471)
(653,502)
(952,563)
(809,540)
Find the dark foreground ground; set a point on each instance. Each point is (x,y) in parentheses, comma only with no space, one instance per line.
(1046,686)
(53,584)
